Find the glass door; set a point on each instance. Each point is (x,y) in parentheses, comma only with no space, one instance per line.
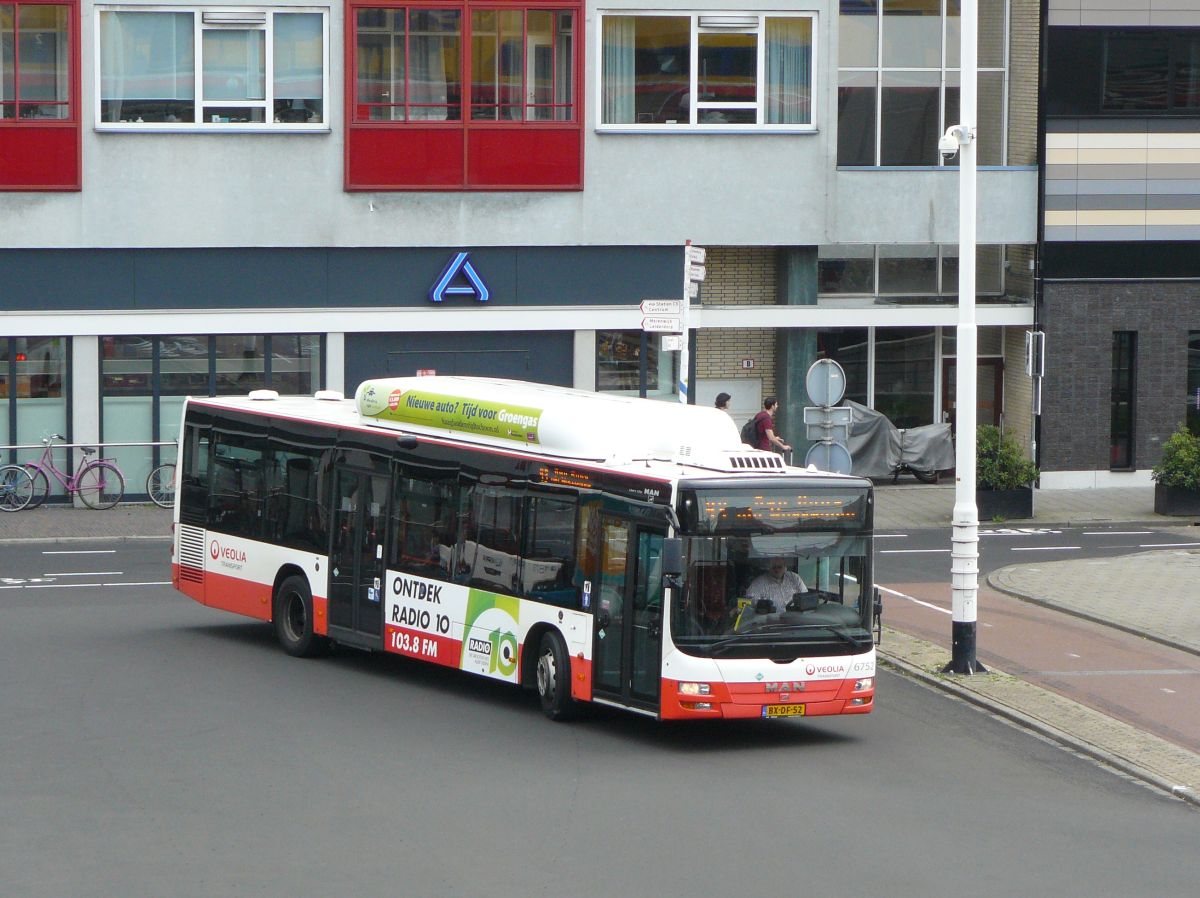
(627,648)
(356,563)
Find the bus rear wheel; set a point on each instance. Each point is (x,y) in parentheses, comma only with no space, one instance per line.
(293,619)
(554,678)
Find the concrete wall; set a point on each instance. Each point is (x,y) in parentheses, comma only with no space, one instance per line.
(166,190)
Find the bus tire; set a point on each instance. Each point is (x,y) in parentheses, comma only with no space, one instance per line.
(292,615)
(554,678)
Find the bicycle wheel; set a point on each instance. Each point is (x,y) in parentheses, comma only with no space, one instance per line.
(16,488)
(161,485)
(41,485)
(100,485)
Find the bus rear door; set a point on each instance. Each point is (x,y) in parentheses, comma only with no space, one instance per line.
(356,558)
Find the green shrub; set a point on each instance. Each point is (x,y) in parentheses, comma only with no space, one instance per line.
(999,464)
(1180,465)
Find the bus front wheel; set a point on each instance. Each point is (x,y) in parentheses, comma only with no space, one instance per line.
(554,678)
(293,619)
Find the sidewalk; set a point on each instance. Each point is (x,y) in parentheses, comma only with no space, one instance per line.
(1096,589)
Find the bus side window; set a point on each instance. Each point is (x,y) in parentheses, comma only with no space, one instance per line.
(490,540)
(236,495)
(548,559)
(423,526)
(194,475)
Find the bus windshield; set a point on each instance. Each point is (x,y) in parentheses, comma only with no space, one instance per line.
(762,594)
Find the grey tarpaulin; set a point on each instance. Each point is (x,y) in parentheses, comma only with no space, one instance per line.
(874,442)
(877,446)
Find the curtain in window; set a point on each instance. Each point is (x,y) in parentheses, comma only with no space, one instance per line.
(617,80)
(298,56)
(431,33)
(145,58)
(789,64)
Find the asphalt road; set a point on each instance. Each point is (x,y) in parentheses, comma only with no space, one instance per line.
(924,555)
(155,747)
(1143,683)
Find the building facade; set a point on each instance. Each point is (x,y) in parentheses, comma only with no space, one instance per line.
(1120,301)
(204,199)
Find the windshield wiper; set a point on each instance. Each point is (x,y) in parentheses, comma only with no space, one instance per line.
(836,631)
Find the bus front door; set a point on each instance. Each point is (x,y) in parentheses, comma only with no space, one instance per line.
(627,630)
(356,559)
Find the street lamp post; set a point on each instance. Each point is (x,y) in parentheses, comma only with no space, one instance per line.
(964,554)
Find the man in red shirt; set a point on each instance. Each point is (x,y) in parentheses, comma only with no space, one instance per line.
(764,427)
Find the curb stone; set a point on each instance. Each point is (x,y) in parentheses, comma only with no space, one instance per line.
(1149,759)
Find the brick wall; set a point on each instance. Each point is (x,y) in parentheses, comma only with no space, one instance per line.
(1023,82)
(1079,323)
(738,275)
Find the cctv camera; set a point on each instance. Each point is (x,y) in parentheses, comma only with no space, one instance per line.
(948,143)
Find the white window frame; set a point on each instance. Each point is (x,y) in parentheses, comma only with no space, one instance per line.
(199,27)
(945,73)
(692,126)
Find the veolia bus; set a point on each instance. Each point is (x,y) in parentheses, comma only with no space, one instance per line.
(595,548)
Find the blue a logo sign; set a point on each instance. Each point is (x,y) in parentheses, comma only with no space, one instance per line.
(450,283)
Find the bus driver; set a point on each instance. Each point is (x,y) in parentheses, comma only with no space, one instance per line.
(776,585)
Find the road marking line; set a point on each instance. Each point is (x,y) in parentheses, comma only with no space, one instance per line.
(1167,545)
(141,583)
(1168,691)
(87,574)
(1166,672)
(59,585)
(909,551)
(890,535)
(81,552)
(914,600)
(1116,532)
(1044,548)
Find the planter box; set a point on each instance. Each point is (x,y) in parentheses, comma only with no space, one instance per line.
(1007,504)
(1174,500)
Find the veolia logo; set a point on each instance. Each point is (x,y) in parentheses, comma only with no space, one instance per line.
(226,553)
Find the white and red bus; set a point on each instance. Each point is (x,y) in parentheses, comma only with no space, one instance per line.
(595,548)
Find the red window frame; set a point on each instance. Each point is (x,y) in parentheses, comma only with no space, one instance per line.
(464,154)
(43,154)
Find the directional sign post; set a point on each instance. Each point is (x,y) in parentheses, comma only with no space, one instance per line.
(693,274)
(662,325)
(662,307)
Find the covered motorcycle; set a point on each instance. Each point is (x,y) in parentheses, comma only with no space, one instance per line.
(880,449)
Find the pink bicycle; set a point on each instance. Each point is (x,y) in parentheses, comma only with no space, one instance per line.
(99,483)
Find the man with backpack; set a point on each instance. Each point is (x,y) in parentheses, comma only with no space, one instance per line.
(759,431)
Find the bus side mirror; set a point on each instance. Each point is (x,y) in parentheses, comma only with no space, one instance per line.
(672,561)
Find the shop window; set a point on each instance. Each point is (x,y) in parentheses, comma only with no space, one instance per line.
(1121,402)
(621,358)
(464,96)
(33,392)
(899,80)
(145,379)
(751,72)
(204,69)
(39,126)
(904,365)
(849,348)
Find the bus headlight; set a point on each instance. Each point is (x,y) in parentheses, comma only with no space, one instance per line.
(864,683)
(695,689)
